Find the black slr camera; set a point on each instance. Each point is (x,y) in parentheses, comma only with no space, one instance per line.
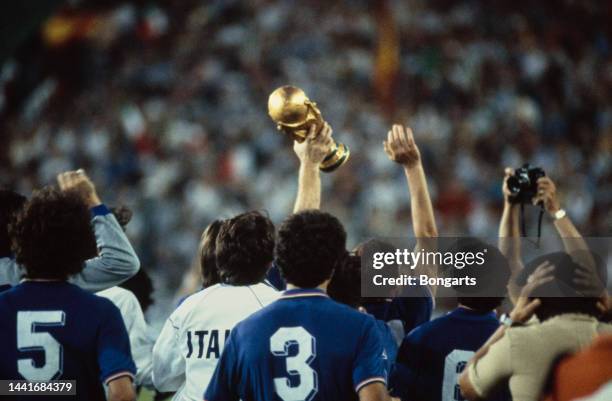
(523,185)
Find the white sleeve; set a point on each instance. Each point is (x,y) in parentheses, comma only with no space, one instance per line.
(168,363)
(117,261)
(141,344)
(10,273)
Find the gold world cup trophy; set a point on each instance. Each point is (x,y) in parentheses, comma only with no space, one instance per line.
(294,114)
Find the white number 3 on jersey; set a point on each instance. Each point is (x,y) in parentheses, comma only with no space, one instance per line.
(298,366)
(30,338)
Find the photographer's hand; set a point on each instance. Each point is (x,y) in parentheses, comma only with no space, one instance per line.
(80,183)
(547,194)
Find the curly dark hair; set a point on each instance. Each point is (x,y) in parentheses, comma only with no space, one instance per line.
(310,246)
(245,248)
(52,235)
(345,286)
(10,203)
(208,254)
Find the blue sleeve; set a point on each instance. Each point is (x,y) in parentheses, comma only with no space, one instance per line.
(114,355)
(369,364)
(405,379)
(223,386)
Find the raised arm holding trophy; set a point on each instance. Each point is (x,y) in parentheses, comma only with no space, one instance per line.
(294,113)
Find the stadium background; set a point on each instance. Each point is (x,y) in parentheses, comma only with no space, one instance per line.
(164,104)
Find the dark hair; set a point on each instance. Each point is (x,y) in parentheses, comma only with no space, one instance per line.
(561,295)
(208,257)
(491,277)
(310,245)
(245,248)
(367,248)
(142,287)
(52,235)
(345,286)
(10,203)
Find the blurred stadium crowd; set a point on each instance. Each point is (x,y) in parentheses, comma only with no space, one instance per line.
(164,105)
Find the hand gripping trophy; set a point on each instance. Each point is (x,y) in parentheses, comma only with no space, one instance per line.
(294,113)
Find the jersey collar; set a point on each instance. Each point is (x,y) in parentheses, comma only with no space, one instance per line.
(304,292)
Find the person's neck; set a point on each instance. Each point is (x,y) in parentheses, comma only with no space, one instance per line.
(322,286)
(464,307)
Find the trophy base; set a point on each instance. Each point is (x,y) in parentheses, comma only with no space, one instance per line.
(335,158)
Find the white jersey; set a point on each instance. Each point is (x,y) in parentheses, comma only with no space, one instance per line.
(187,351)
(141,342)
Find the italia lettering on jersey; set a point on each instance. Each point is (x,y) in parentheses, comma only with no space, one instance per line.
(193,338)
(206,343)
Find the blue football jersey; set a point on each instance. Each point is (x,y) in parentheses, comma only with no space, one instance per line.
(433,355)
(54,330)
(304,346)
(389,344)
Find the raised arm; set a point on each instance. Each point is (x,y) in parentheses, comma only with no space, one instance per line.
(117,260)
(573,242)
(401,148)
(311,153)
(509,232)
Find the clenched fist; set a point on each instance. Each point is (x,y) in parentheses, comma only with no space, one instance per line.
(79,182)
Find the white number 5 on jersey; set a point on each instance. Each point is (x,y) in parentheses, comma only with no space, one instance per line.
(30,338)
(298,366)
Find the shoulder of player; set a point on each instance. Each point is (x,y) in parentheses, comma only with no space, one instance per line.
(421,333)
(124,299)
(117,294)
(88,300)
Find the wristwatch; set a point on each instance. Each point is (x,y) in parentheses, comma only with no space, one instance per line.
(559,214)
(507,321)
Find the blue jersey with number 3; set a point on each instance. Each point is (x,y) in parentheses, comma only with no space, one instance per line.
(57,331)
(303,346)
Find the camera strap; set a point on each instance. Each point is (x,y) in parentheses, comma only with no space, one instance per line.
(523,228)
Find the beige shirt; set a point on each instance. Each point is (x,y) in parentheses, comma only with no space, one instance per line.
(524,355)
